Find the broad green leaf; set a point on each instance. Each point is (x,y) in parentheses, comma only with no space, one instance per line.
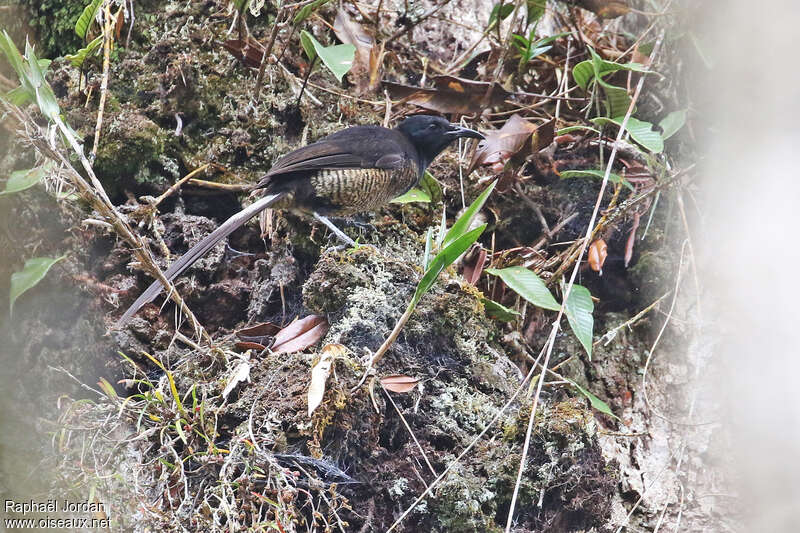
(528,285)
(80,56)
(583,73)
(613,178)
(499,311)
(616,101)
(86,18)
(640,131)
(32,273)
(306,41)
(444,259)
(672,123)
(338,58)
(23,179)
(579,309)
(413,195)
(19,96)
(596,402)
(462,224)
(535,10)
(596,67)
(306,11)
(604,67)
(430,185)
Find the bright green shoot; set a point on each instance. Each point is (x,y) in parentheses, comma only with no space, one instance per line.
(452,244)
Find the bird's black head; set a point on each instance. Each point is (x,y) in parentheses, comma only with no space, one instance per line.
(430,134)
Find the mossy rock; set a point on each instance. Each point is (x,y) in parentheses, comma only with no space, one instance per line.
(131,156)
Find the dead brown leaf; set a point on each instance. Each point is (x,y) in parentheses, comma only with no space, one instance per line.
(300,334)
(450,95)
(596,256)
(399,383)
(515,137)
(631,239)
(248,51)
(260,333)
(319,375)
(474,262)
(365,60)
(244,346)
(608,9)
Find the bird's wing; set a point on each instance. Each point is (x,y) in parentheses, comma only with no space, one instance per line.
(352,148)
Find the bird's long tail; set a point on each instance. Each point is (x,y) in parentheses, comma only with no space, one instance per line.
(198,251)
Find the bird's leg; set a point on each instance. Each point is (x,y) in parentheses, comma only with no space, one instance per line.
(336,231)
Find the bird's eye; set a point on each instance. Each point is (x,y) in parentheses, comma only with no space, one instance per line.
(432,126)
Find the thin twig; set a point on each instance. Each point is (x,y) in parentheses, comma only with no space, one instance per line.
(178,184)
(104,83)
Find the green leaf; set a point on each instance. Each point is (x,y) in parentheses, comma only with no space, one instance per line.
(535,10)
(306,11)
(579,309)
(641,132)
(499,311)
(586,71)
(499,12)
(462,224)
(672,123)
(80,56)
(617,100)
(19,96)
(426,257)
(444,259)
(23,179)
(338,58)
(14,57)
(430,185)
(307,42)
(413,195)
(570,129)
(583,73)
(32,273)
(86,18)
(528,285)
(31,75)
(613,178)
(596,402)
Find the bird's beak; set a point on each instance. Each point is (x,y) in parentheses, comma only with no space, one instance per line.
(457,131)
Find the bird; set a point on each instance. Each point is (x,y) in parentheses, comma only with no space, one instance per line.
(354,170)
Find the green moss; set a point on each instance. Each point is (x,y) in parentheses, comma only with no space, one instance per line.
(130,155)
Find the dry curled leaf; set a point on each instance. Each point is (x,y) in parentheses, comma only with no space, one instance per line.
(399,383)
(450,95)
(474,261)
(320,373)
(300,334)
(239,375)
(631,239)
(248,51)
(518,137)
(246,345)
(350,32)
(598,251)
(258,333)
